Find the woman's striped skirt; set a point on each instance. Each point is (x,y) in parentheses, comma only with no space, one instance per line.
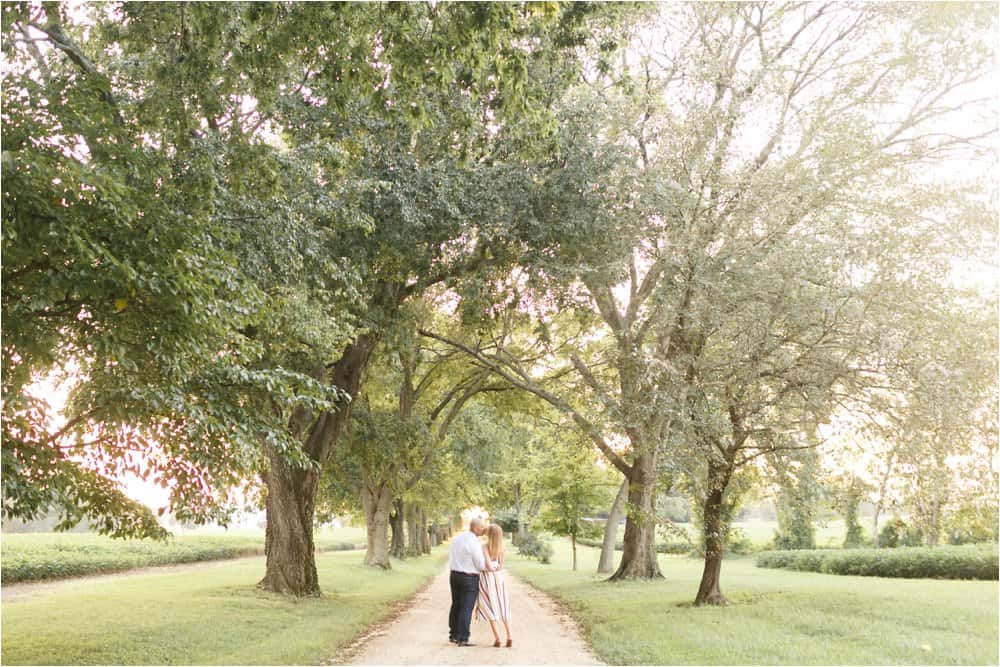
(493,603)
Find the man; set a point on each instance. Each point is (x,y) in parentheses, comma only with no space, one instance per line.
(466,561)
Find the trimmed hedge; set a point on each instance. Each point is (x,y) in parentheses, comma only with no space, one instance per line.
(91,555)
(36,557)
(977,561)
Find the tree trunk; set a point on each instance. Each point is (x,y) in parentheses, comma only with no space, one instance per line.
(291,492)
(607,561)
(881,497)
(709,591)
(878,510)
(425,533)
(516,535)
(522,531)
(639,553)
(414,546)
(397,518)
(288,541)
(934,525)
(377,504)
(572,538)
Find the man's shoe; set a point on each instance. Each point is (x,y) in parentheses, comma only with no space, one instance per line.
(465,644)
(452,640)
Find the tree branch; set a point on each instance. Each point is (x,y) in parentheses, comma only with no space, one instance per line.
(527,385)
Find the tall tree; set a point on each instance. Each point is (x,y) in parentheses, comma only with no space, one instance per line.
(414,154)
(741,238)
(118,272)
(223,116)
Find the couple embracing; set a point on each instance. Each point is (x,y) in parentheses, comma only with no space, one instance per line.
(477,583)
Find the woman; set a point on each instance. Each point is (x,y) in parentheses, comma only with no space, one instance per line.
(493,603)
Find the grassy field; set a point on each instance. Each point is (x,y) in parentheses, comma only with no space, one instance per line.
(828,534)
(776,616)
(210,617)
(761,533)
(37,556)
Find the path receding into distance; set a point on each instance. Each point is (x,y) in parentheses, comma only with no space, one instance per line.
(542,634)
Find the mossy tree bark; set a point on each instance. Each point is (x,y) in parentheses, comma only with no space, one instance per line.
(377,503)
(709,591)
(291,490)
(607,560)
(397,519)
(639,548)
(288,542)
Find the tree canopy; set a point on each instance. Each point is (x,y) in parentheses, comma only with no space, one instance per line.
(359,254)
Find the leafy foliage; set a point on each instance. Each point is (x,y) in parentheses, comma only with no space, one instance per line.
(972,522)
(535,546)
(964,562)
(120,274)
(897,533)
(200,205)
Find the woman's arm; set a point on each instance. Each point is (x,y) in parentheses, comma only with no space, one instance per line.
(487,559)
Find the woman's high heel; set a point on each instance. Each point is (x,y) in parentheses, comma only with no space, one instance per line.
(509,643)
(496,644)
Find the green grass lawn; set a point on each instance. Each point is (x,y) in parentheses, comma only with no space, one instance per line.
(209,616)
(776,616)
(326,538)
(828,534)
(38,556)
(761,533)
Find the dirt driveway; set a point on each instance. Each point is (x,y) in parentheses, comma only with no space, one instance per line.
(419,635)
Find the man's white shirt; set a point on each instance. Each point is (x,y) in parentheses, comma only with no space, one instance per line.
(466,554)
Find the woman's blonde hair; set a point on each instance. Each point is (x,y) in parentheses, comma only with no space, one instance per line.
(494,541)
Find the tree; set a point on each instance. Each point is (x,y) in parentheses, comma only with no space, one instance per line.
(762,180)
(798,492)
(846,491)
(512,461)
(932,414)
(306,90)
(413,152)
(118,274)
(573,490)
(399,441)
(781,325)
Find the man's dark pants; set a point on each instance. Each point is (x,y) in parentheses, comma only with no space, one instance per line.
(464,591)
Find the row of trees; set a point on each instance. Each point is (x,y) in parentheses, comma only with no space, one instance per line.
(753,231)
(329,251)
(215,212)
